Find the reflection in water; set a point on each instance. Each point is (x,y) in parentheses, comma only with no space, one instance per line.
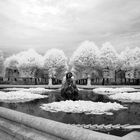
(131,115)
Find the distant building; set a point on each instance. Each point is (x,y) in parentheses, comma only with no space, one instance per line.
(11,75)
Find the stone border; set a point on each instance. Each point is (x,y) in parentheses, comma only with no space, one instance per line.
(53,128)
(59,86)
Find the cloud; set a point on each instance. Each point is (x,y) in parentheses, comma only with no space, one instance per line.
(51,23)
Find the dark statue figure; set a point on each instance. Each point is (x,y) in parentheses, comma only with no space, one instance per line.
(69,91)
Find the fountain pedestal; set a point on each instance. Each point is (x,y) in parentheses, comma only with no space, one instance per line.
(88,81)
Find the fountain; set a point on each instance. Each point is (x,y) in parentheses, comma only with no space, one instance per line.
(69,90)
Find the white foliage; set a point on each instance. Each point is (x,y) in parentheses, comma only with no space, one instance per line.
(19,96)
(55,60)
(127,58)
(1,63)
(31,90)
(122,94)
(37,90)
(28,62)
(109,91)
(12,89)
(136,58)
(30,58)
(86,55)
(85,59)
(87,107)
(127,97)
(120,62)
(108,56)
(11,62)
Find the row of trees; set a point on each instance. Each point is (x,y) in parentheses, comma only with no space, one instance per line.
(28,62)
(88,57)
(84,60)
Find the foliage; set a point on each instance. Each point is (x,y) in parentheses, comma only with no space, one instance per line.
(127,59)
(28,62)
(11,62)
(56,61)
(108,56)
(87,107)
(86,57)
(1,63)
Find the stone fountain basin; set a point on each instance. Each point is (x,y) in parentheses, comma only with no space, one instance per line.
(131,115)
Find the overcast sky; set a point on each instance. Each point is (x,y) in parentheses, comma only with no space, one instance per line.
(63,24)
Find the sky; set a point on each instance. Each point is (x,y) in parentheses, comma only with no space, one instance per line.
(64,24)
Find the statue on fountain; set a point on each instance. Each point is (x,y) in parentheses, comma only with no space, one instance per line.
(69,91)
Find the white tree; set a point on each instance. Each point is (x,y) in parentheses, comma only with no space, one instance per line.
(56,62)
(11,62)
(108,56)
(29,61)
(11,67)
(127,58)
(86,57)
(135,63)
(136,58)
(1,63)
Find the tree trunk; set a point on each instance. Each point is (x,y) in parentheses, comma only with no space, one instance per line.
(103,82)
(115,76)
(35,81)
(125,81)
(129,81)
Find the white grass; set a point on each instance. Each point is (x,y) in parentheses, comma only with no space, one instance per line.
(31,90)
(109,91)
(87,107)
(19,96)
(126,97)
